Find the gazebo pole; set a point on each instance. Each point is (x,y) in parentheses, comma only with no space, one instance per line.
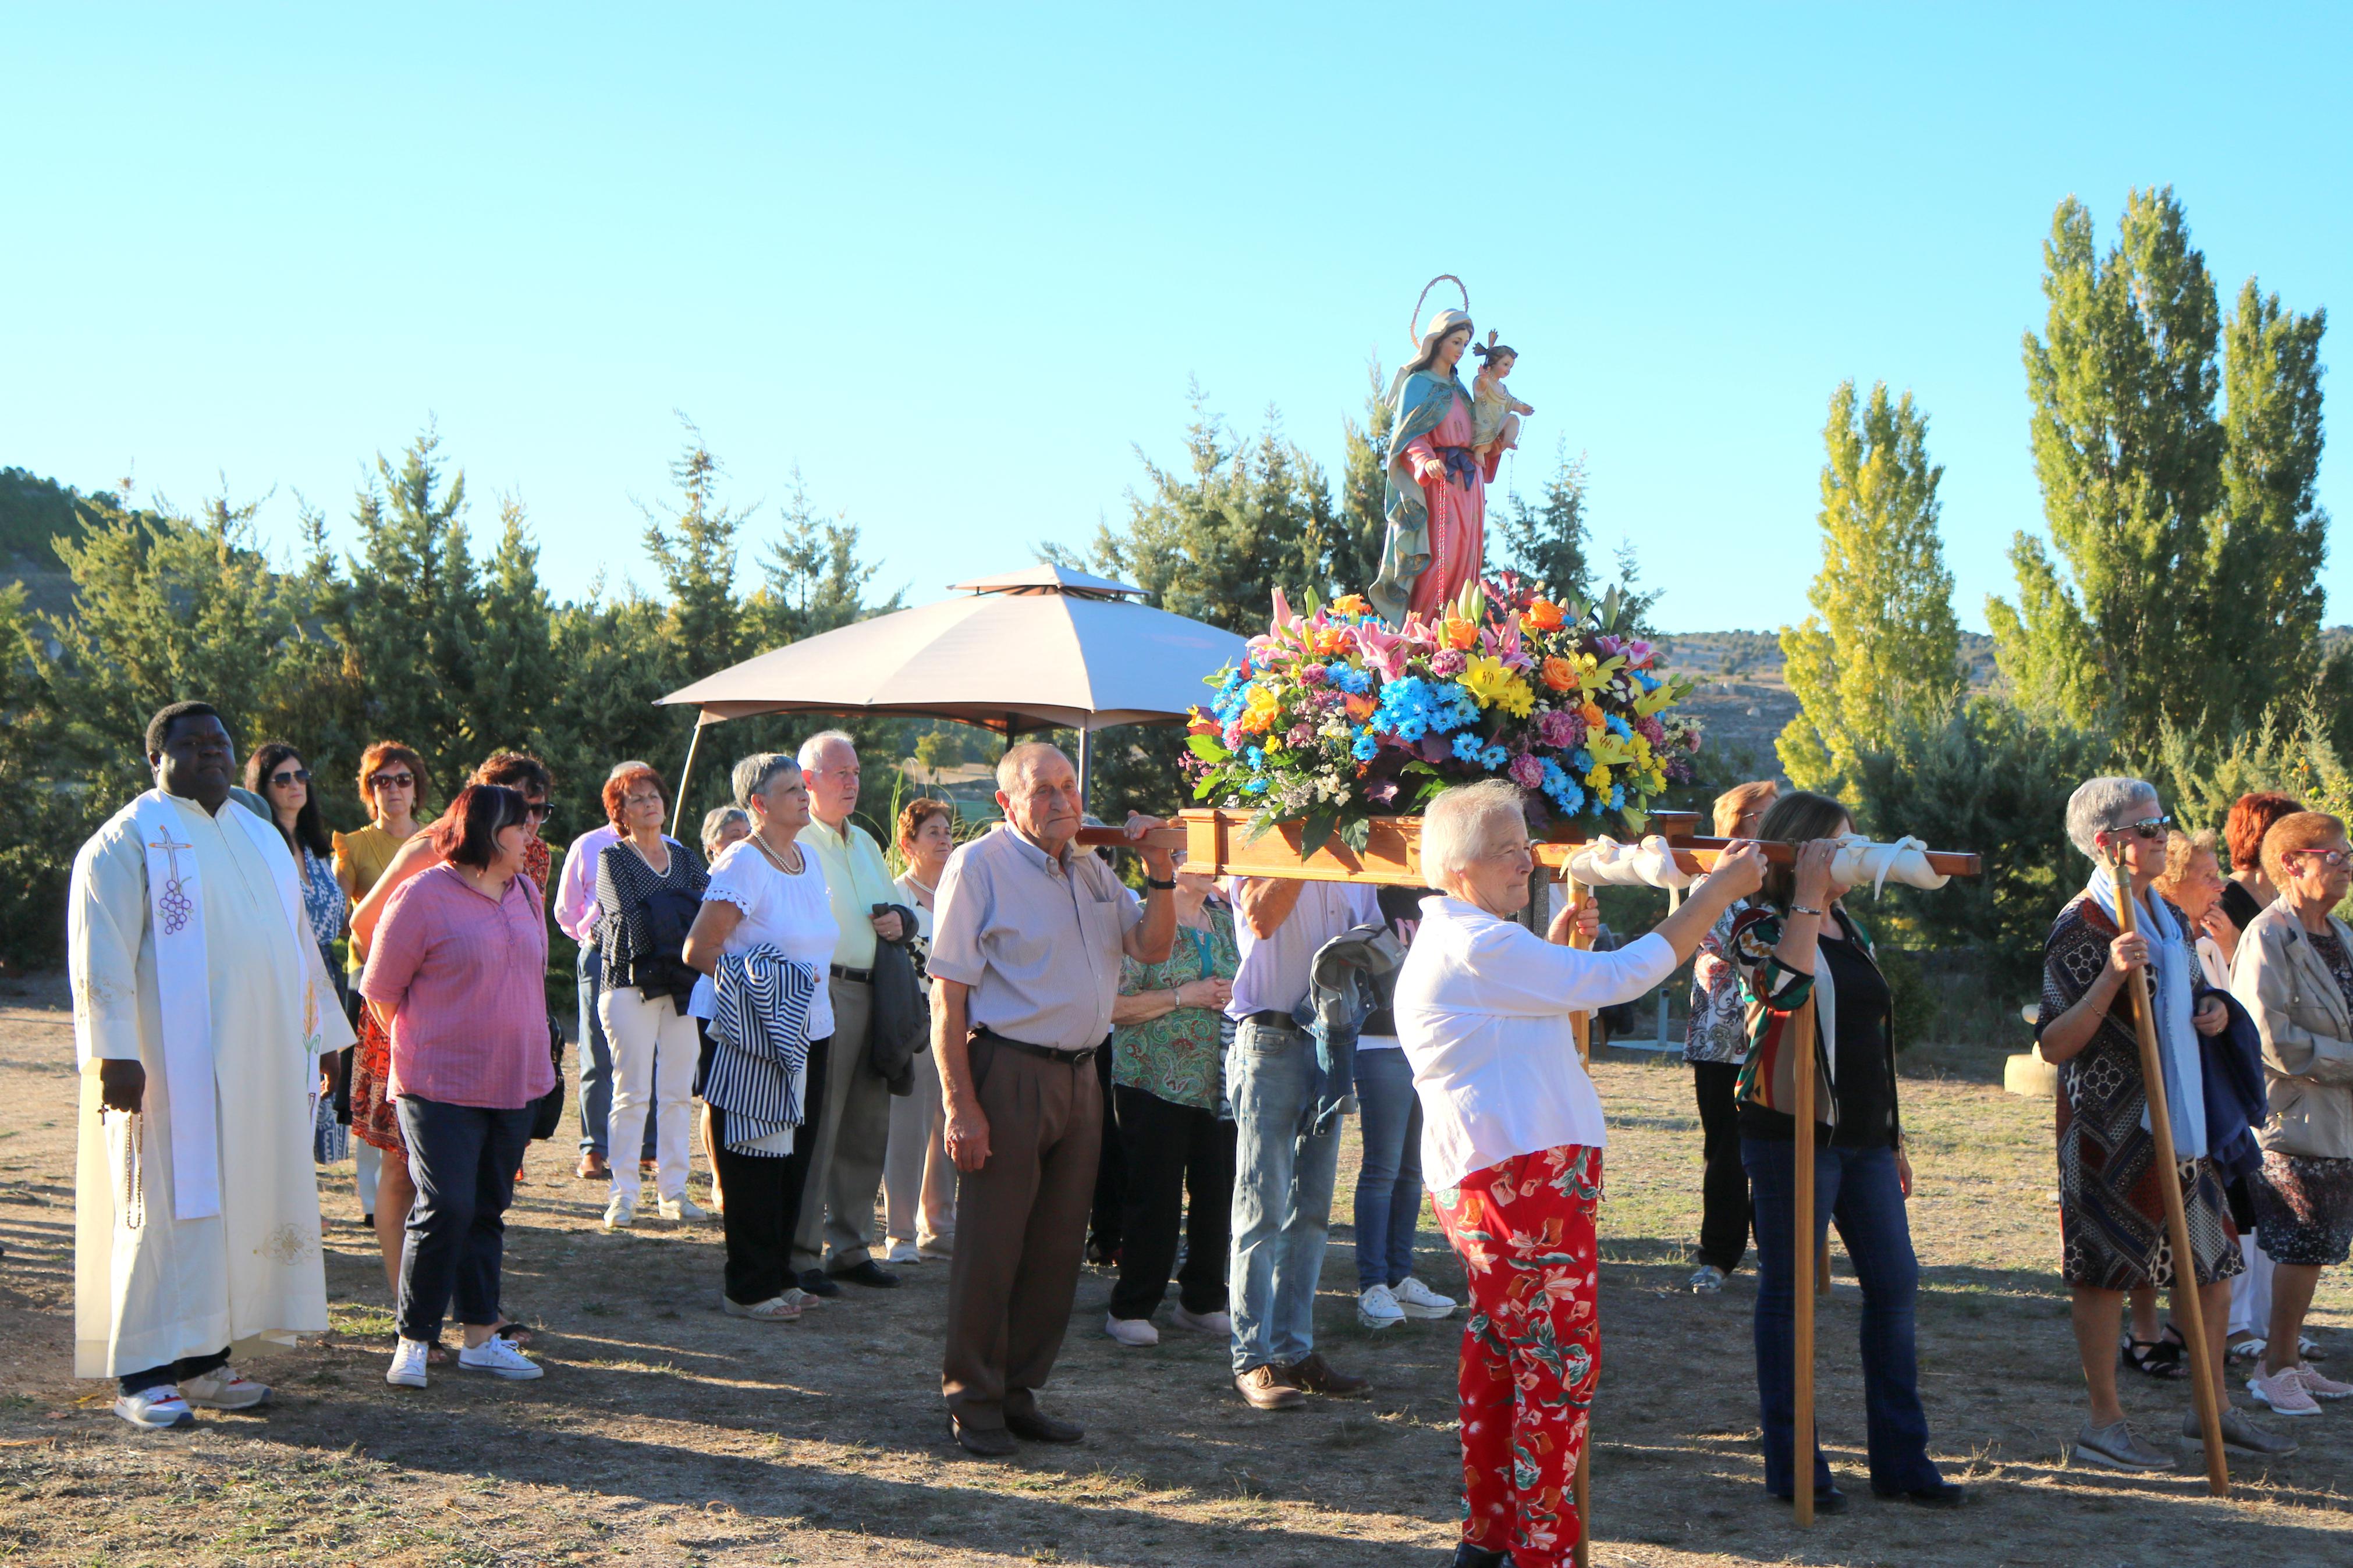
(2186,1299)
(678,807)
(1086,764)
(1800,1037)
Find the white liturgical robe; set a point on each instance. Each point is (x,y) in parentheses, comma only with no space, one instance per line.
(151,1288)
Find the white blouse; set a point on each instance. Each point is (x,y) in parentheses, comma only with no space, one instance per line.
(792,914)
(1482,1007)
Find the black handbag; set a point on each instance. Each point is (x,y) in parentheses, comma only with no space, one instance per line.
(547,1111)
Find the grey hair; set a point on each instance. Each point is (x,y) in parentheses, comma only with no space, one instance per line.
(2100,804)
(1018,760)
(716,819)
(631,766)
(1460,825)
(812,748)
(756,773)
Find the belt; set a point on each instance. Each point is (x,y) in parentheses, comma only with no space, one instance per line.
(1073,1058)
(863,976)
(1268,1018)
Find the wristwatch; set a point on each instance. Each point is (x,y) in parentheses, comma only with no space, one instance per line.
(1159,886)
(1802,909)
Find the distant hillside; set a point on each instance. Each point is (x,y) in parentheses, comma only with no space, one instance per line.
(1757,656)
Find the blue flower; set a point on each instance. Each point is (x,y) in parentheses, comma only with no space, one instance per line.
(1452,707)
(1350,679)
(1618,724)
(1494,757)
(1254,786)
(1616,796)
(1368,746)
(1561,789)
(1583,761)
(1467,748)
(1255,757)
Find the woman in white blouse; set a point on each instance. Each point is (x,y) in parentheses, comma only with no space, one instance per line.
(1512,1136)
(766,891)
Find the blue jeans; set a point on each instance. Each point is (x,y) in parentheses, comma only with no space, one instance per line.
(1282,1197)
(1389,1186)
(1858,1187)
(597,1060)
(463,1159)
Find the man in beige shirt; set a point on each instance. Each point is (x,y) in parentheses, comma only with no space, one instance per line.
(835,1234)
(1025,965)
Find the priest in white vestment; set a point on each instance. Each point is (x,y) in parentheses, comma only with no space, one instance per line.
(201,1005)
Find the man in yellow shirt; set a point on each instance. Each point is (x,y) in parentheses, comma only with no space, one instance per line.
(835,1236)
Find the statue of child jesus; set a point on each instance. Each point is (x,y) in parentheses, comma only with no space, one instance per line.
(1494,412)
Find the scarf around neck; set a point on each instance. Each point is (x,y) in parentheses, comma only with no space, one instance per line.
(2170,999)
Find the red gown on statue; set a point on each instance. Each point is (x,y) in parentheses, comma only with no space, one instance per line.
(1458,511)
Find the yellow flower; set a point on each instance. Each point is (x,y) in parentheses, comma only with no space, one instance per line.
(1260,710)
(1598,779)
(1496,684)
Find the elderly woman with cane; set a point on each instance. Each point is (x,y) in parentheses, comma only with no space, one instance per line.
(2112,1204)
(1511,1139)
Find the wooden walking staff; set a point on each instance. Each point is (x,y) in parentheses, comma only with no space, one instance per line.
(2177,1215)
(1800,1035)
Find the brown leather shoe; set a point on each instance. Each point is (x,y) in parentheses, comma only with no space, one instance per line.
(593,1168)
(1317,1375)
(983,1442)
(1264,1386)
(1037,1426)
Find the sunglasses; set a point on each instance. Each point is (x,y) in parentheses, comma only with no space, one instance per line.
(299,776)
(393,781)
(538,810)
(2151,828)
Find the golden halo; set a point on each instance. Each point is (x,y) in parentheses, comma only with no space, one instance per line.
(1413,326)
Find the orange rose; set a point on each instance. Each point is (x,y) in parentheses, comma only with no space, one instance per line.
(1331,640)
(1558,674)
(1460,634)
(1591,713)
(1544,616)
(1350,605)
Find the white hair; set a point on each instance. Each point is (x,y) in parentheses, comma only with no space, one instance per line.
(631,766)
(813,747)
(715,821)
(756,773)
(1464,823)
(2102,803)
(1018,760)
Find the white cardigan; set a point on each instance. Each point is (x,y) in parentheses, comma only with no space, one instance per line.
(1483,1008)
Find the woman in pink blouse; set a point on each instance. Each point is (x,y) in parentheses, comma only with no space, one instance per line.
(455,975)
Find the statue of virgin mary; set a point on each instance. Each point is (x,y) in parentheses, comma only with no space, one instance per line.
(1436,501)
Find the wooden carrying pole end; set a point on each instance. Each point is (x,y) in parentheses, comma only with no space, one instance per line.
(1695,854)
(1800,1035)
(1580,1024)
(2186,1299)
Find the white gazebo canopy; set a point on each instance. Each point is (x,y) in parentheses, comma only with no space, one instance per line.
(1042,647)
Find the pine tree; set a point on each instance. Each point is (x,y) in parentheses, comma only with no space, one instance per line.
(1547,540)
(515,696)
(695,552)
(813,578)
(1882,642)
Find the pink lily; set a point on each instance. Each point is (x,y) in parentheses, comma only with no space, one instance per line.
(1384,650)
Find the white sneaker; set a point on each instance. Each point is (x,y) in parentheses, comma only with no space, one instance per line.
(620,1212)
(1219,1323)
(408,1368)
(1706,1279)
(1420,1300)
(904,1252)
(224,1388)
(156,1409)
(500,1359)
(1136,1333)
(935,1251)
(1378,1308)
(682,1208)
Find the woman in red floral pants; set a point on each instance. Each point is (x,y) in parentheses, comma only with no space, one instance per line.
(1511,1143)
(1524,1231)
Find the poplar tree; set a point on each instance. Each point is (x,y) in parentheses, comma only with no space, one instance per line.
(2189,540)
(1882,643)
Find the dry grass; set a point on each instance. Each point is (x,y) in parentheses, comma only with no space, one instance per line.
(667,1434)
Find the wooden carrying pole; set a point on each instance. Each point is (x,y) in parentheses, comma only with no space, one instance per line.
(1580,1024)
(1581,1480)
(1800,1035)
(2186,1299)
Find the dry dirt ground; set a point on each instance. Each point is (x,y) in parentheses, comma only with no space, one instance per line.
(665,1433)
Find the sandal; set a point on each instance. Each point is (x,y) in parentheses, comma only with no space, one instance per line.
(515,1331)
(436,1355)
(2159,1357)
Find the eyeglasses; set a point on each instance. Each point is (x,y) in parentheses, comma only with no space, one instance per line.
(2335,859)
(393,781)
(299,776)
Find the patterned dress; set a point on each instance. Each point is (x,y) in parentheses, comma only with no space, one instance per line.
(2111,1200)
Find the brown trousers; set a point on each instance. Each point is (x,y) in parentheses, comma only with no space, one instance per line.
(1021,1231)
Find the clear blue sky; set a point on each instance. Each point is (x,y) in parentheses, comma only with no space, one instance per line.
(952,265)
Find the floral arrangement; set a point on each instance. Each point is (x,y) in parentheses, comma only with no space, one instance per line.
(1334,718)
